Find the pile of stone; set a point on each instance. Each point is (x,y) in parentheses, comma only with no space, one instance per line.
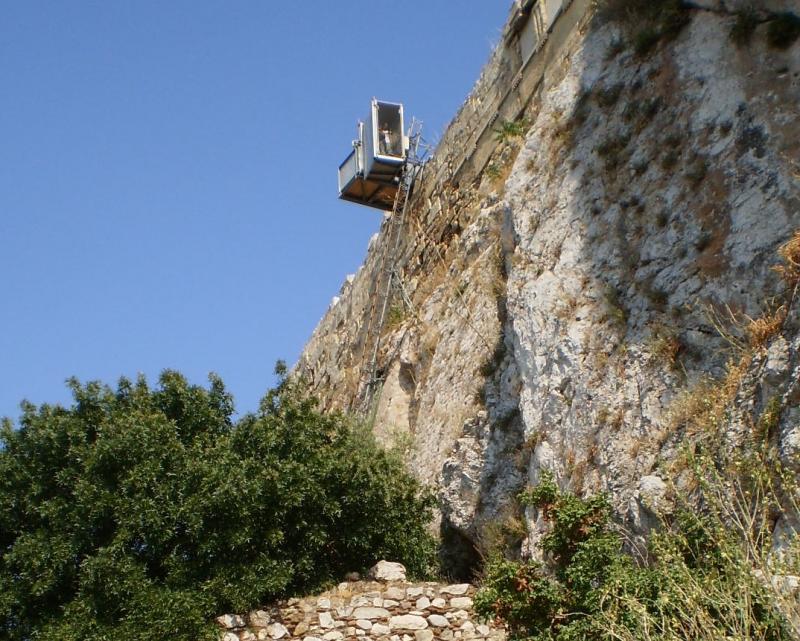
(385,608)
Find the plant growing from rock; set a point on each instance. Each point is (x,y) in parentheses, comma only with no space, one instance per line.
(658,297)
(670,159)
(612,150)
(760,330)
(511,129)
(555,599)
(704,577)
(646,22)
(607,97)
(396,316)
(504,534)
(614,305)
(696,171)
(493,171)
(665,346)
(645,39)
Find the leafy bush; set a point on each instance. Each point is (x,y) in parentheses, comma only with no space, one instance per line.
(558,599)
(509,129)
(141,513)
(702,580)
(645,39)
(646,21)
(715,574)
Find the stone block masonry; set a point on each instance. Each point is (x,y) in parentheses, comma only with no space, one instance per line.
(368,611)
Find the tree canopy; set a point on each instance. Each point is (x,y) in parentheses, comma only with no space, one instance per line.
(140,513)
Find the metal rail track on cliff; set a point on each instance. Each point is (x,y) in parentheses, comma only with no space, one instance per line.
(388,274)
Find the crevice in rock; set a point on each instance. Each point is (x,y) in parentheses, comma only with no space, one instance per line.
(458,554)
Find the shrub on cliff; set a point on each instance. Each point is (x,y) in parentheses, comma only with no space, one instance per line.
(559,599)
(702,580)
(646,22)
(141,513)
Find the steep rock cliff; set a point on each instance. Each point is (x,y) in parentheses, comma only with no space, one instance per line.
(555,307)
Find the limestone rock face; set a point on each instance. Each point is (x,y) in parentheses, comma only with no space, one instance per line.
(620,261)
(554,306)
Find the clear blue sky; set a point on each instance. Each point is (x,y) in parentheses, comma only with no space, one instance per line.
(168,175)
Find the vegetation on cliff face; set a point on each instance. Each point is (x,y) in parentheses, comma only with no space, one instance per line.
(140,513)
(708,574)
(647,22)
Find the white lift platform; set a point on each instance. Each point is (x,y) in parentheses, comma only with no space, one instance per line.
(371,174)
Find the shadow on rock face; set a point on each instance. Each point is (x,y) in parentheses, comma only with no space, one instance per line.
(459,557)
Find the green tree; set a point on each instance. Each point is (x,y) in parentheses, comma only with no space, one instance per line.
(141,513)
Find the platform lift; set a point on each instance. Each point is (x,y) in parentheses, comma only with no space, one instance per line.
(381,172)
(371,174)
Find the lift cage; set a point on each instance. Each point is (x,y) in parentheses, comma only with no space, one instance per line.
(371,173)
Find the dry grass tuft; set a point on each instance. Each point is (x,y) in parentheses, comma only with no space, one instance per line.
(701,409)
(760,330)
(665,346)
(504,534)
(790,253)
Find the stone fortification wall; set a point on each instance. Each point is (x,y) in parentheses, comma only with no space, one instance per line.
(368,611)
(446,195)
(443,317)
(503,90)
(566,293)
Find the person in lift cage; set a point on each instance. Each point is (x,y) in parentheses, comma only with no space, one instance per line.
(386,140)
